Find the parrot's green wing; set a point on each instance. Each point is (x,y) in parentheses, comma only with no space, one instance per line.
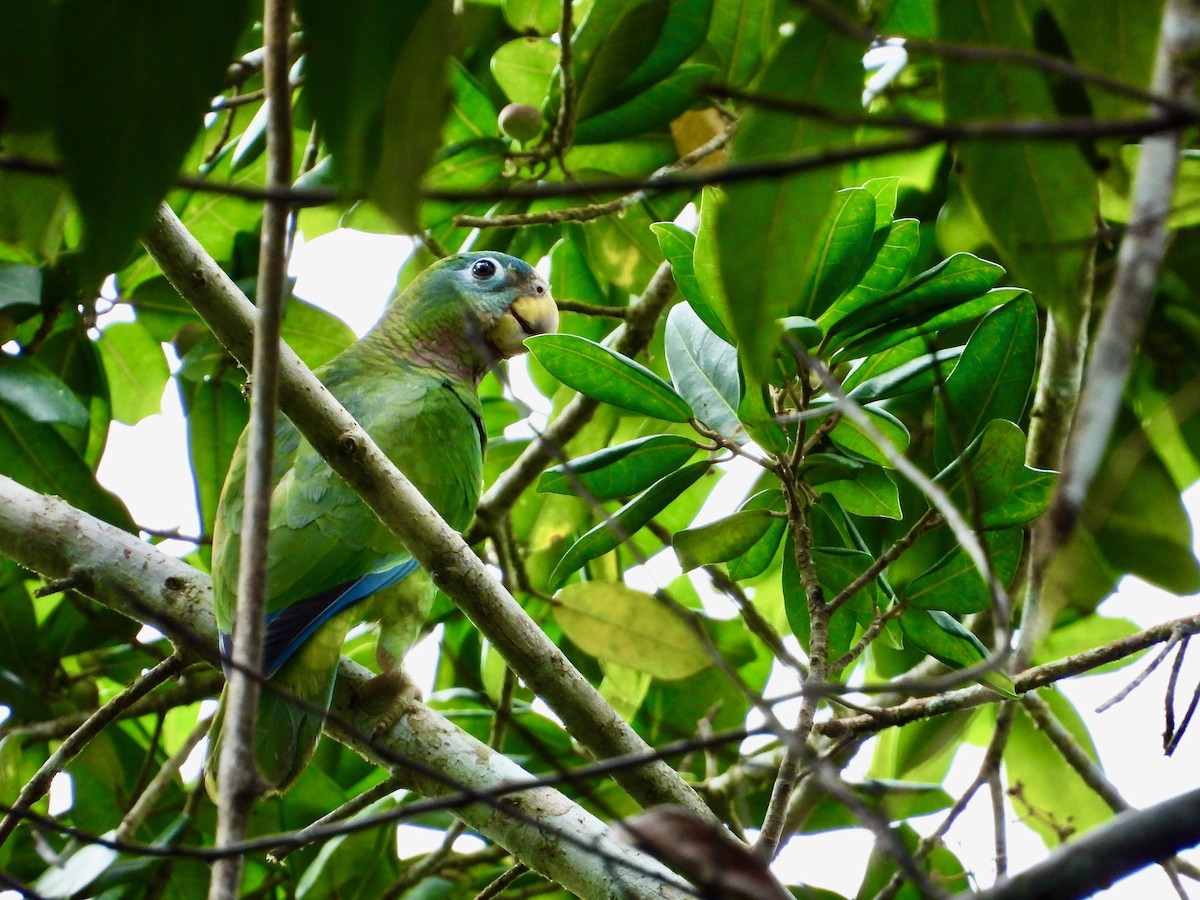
(411,383)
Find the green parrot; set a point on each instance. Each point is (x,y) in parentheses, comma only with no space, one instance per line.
(411,382)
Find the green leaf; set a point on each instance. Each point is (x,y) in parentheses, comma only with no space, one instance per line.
(678,245)
(891,253)
(895,800)
(216,415)
(619,471)
(617,624)
(20,286)
(870,493)
(711,305)
(611,41)
(992,473)
(885,338)
(1086,634)
(38,457)
(1045,236)
(841,251)
(954,585)
(920,374)
(943,866)
(945,639)
(316,335)
(951,282)
(29,387)
(740,35)
(850,437)
(524,69)
(704,370)
(1137,517)
(992,380)
(124,122)
(755,560)
(136,370)
(836,568)
(538,16)
(627,521)
(886,192)
(364,56)
(1047,783)
(604,374)
(722,540)
(649,110)
(784,215)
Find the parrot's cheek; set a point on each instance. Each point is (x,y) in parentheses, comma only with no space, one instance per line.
(528,315)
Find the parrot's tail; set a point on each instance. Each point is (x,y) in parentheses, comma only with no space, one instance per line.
(285,733)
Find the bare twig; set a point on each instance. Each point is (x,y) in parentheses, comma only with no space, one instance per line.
(238,778)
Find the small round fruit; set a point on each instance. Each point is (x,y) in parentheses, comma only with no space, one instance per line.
(520,121)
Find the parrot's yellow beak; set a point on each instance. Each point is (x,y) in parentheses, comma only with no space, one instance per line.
(529,314)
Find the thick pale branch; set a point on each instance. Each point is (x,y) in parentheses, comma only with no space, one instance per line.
(48,536)
(1138,261)
(439,549)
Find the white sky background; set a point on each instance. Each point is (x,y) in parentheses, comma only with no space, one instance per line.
(352,275)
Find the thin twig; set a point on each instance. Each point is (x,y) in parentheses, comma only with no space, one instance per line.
(238,778)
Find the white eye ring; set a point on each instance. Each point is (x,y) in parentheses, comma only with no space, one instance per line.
(485,268)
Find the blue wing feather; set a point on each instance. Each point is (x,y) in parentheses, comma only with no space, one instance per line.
(289,628)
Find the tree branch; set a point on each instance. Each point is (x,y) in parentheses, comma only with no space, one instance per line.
(1131,841)
(48,536)
(1138,261)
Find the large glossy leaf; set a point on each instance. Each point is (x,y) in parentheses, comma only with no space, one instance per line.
(712,305)
(784,215)
(920,374)
(217,414)
(841,252)
(945,639)
(705,372)
(20,286)
(835,569)
(992,473)
(604,374)
(1044,237)
(992,379)
(136,369)
(741,33)
(891,253)
(894,800)
(524,69)
(652,109)
(622,470)
(950,283)
(626,521)
(954,585)
(722,540)
(1047,782)
(364,56)
(316,335)
(29,387)
(39,458)
(124,121)
(618,624)
(871,492)
(755,560)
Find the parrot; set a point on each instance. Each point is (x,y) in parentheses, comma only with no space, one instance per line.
(412,383)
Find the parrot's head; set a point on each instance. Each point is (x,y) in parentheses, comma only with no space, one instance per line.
(485,303)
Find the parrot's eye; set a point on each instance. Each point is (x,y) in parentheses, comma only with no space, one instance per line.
(484,269)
